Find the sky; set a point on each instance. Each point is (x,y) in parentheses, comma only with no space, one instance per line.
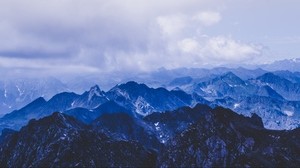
(61,37)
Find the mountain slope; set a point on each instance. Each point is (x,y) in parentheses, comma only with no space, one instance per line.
(60,102)
(15,93)
(61,141)
(222,138)
(124,126)
(289,90)
(144,100)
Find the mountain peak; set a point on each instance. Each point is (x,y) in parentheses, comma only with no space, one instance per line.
(269,76)
(231,78)
(132,85)
(39,100)
(56,119)
(95,90)
(229,75)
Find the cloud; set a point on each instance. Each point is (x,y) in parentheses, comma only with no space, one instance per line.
(171,25)
(218,50)
(129,35)
(187,45)
(208,18)
(229,49)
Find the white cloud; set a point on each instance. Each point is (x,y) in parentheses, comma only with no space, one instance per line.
(229,49)
(171,25)
(98,35)
(208,18)
(188,45)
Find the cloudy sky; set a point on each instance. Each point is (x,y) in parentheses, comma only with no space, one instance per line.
(94,36)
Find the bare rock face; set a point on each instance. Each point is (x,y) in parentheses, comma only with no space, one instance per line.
(196,137)
(62,141)
(222,138)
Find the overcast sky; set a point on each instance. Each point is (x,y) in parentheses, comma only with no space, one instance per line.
(94,36)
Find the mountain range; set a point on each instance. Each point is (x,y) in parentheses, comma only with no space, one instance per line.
(270,95)
(16,91)
(196,137)
(221,117)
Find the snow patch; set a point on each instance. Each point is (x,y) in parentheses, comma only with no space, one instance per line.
(95,91)
(288,113)
(5,93)
(19,90)
(236,105)
(142,106)
(156,126)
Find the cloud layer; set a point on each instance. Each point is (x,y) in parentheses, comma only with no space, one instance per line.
(128,35)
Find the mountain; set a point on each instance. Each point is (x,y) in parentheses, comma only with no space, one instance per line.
(61,102)
(181,81)
(170,123)
(222,138)
(61,141)
(289,90)
(292,65)
(88,116)
(265,95)
(16,93)
(272,97)
(227,84)
(19,118)
(291,76)
(131,97)
(197,137)
(276,113)
(123,126)
(89,99)
(144,100)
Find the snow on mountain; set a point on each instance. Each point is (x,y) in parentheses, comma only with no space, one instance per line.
(222,138)
(61,102)
(271,96)
(292,65)
(289,90)
(144,100)
(16,93)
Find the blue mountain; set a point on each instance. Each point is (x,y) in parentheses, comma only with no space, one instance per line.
(287,89)
(144,100)
(199,136)
(61,141)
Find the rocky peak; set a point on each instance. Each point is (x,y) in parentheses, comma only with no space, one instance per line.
(95,91)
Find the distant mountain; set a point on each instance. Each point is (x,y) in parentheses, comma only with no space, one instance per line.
(291,76)
(181,81)
(222,138)
(16,93)
(130,97)
(276,114)
(273,97)
(227,84)
(61,141)
(144,100)
(289,90)
(88,116)
(61,102)
(292,65)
